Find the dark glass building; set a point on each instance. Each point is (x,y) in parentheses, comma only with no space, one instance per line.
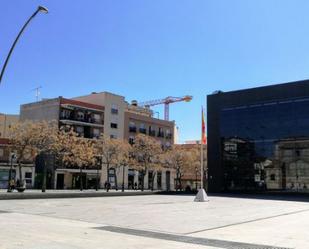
(258,139)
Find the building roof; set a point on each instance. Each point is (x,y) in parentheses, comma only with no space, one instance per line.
(81,103)
(298,83)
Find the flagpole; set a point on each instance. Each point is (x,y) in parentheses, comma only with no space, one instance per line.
(201,195)
(202,171)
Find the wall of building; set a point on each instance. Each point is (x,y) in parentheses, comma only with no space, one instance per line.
(139,120)
(27,171)
(43,110)
(258,118)
(109,101)
(120,178)
(6,120)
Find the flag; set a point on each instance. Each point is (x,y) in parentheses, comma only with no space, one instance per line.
(203,128)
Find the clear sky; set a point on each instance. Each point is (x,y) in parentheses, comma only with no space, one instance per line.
(146,49)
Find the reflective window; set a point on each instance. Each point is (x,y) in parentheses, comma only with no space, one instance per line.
(271,135)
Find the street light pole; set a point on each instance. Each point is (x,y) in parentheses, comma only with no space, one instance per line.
(39,9)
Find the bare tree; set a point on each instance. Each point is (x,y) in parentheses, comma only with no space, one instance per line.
(146,152)
(76,151)
(28,139)
(44,143)
(123,158)
(21,137)
(182,160)
(108,149)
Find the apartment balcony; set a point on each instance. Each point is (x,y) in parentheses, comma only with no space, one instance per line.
(78,122)
(74,119)
(132,129)
(143,130)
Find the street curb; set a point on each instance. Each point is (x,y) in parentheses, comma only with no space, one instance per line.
(46,195)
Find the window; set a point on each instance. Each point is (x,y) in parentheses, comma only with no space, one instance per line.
(160,132)
(28,175)
(132,127)
(150,179)
(79,129)
(273,177)
(168,134)
(112,177)
(112,136)
(131,140)
(114,109)
(97,118)
(1,152)
(159,180)
(114,125)
(152,131)
(65,114)
(96,132)
(80,115)
(142,128)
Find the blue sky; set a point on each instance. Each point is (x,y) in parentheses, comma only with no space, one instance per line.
(146,49)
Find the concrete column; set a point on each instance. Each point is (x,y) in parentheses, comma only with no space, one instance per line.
(67,180)
(146,186)
(135,177)
(163,179)
(120,177)
(103,177)
(155,185)
(126,171)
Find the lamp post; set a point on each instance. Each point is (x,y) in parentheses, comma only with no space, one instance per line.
(39,9)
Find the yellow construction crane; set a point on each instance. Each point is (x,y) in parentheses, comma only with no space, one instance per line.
(166,101)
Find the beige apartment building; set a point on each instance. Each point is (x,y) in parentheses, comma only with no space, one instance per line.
(107,113)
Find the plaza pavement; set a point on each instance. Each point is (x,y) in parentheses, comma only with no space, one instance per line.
(154,221)
(72,193)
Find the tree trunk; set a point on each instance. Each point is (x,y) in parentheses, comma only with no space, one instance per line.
(81,179)
(44,176)
(122,187)
(143,180)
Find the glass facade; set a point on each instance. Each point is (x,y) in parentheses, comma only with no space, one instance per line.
(266,145)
